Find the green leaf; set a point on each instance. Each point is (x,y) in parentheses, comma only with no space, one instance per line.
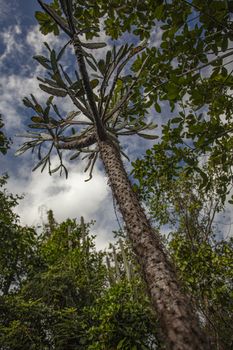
(53,91)
(93,45)
(61,53)
(75,156)
(54,61)
(159,11)
(37,119)
(91,64)
(173,92)
(43,61)
(41,16)
(157,107)
(49,82)
(101,66)
(27,102)
(146,136)
(176,120)
(55,169)
(76,85)
(94,83)
(108,57)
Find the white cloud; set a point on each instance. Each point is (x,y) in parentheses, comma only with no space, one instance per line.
(10,40)
(35,40)
(71,198)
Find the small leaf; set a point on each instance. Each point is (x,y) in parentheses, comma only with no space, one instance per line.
(76,85)
(176,120)
(91,64)
(108,57)
(157,107)
(49,101)
(54,61)
(49,82)
(37,126)
(38,108)
(41,16)
(93,45)
(44,160)
(22,150)
(101,66)
(53,91)
(149,137)
(94,83)
(37,119)
(47,46)
(45,136)
(72,114)
(74,156)
(59,56)
(43,61)
(27,102)
(55,169)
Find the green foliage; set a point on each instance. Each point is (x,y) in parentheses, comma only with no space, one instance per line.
(204,262)
(207,273)
(122,320)
(44,20)
(56,291)
(17,257)
(4,142)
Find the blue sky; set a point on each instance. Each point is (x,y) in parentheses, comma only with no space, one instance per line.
(20,39)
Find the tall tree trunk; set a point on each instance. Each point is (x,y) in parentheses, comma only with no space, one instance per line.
(178,321)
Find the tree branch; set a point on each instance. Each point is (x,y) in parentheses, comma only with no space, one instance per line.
(79,143)
(60,22)
(86,82)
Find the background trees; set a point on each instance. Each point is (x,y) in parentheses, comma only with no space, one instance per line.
(4,142)
(61,294)
(202,254)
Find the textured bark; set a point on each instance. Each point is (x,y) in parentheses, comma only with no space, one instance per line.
(174,311)
(83,142)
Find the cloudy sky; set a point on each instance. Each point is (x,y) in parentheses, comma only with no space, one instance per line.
(20,39)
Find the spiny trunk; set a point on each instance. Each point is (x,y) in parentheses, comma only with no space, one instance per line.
(174,311)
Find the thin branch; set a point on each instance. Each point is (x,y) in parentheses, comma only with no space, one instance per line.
(190,71)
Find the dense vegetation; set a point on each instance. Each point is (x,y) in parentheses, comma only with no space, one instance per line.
(57,292)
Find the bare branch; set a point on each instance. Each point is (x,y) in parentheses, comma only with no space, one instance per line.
(79,143)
